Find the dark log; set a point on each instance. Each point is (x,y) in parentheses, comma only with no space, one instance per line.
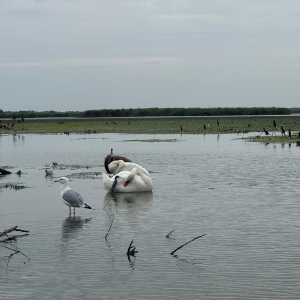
(4,172)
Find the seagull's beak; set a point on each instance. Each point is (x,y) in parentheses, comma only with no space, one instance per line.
(114,184)
(56,180)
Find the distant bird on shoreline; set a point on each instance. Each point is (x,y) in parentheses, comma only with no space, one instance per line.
(282,130)
(265,131)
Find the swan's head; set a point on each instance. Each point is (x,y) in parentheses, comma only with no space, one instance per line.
(130,177)
(62,180)
(110,158)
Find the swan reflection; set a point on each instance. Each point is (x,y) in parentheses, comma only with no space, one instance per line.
(132,201)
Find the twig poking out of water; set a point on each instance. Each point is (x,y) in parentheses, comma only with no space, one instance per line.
(169,234)
(187,243)
(131,249)
(110,225)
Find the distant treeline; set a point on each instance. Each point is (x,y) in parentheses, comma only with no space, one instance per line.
(36,114)
(160,112)
(152,112)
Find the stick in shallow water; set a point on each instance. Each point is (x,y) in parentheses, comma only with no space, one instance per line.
(187,243)
(110,225)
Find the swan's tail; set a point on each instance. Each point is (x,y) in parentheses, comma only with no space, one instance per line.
(86,206)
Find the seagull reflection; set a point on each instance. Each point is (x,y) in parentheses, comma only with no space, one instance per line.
(72,226)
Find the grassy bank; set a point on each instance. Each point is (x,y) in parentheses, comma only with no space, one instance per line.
(168,125)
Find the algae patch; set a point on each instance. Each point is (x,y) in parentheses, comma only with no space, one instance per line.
(72,167)
(11,185)
(85,175)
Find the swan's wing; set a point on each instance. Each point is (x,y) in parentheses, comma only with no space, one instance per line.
(143,170)
(73,198)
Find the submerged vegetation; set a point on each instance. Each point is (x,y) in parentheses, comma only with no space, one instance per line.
(14,186)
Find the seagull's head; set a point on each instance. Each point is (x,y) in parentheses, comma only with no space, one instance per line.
(62,180)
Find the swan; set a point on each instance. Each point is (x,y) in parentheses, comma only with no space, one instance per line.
(117,166)
(70,197)
(128,182)
(110,157)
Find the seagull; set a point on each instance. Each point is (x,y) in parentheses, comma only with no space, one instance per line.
(49,172)
(70,197)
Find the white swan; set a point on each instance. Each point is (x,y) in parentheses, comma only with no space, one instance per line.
(128,182)
(70,197)
(117,166)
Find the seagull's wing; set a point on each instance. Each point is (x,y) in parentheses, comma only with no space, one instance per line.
(73,198)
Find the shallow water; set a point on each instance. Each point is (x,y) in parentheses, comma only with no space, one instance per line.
(243,195)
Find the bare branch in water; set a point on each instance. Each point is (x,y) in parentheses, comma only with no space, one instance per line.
(187,243)
(110,225)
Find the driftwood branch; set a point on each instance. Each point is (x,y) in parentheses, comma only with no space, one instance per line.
(110,225)
(7,242)
(187,243)
(6,231)
(168,235)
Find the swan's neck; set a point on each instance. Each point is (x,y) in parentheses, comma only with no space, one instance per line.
(132,174)
(121,165)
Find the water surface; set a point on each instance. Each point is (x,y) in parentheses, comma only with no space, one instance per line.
(243,195)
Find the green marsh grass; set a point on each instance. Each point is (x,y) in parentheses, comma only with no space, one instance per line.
(251,126)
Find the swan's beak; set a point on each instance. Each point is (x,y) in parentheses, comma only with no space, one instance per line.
(114,184)
(127,182)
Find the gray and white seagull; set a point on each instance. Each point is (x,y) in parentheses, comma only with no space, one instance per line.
(70,197)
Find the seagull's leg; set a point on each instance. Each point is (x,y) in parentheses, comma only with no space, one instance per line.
(74,211)
(69,211)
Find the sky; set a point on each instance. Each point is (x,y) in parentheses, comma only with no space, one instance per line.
(76,55)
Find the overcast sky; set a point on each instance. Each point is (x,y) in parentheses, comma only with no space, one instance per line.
(94,54)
